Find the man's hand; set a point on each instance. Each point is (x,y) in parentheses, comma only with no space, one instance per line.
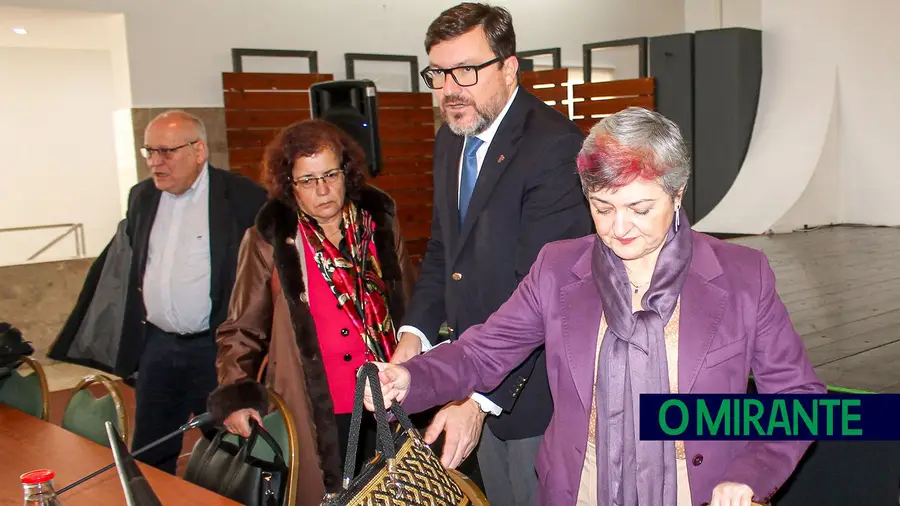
(462,422)
(408,347)
(394,381)
(731,494)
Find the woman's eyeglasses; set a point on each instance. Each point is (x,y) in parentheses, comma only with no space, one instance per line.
(330,178)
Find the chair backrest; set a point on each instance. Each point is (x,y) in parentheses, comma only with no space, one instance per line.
(28,393)
(469,488)
(87,415)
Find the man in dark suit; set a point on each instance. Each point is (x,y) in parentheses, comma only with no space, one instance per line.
(185,225)
(505,184)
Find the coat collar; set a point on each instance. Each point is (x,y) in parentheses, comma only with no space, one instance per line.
(703,304)
(277,220)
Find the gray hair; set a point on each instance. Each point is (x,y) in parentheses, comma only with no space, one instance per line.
(196,122)
(632,143)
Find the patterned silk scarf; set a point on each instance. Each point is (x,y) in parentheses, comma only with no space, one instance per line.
(356,281)
(632,472)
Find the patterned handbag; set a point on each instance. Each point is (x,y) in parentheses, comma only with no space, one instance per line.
(404,471)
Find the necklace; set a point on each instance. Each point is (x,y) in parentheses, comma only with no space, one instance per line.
(637,288)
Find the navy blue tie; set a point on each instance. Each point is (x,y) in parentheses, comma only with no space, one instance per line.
(469,175)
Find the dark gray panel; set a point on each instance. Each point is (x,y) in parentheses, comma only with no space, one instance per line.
(671,61)
(727,73)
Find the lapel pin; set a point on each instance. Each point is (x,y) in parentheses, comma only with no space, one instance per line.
(501,158)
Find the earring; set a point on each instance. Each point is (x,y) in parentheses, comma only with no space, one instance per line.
(677,218)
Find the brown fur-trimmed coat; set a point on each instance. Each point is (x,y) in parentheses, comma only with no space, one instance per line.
(271,317)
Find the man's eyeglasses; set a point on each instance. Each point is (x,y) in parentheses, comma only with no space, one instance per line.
(167,153)
(330,178)
(465,75)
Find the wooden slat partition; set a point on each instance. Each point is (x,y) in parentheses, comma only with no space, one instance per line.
(406,128)
(257,105)
(549,86)
(592,101)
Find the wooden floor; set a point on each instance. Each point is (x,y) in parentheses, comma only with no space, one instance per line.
(841,286)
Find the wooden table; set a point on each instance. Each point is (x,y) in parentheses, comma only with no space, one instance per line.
(28,443)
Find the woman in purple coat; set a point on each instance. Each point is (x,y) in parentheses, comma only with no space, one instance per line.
(645,306)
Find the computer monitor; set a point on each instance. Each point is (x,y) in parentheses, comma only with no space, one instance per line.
(137,490)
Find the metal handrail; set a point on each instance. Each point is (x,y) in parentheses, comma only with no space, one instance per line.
(71,228)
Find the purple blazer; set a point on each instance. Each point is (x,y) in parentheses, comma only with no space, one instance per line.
(732,322)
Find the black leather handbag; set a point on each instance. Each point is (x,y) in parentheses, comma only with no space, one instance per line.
(404,471)
(232,471)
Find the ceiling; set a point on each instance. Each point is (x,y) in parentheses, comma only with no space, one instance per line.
(51,28)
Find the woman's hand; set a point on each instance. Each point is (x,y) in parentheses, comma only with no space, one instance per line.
(394,385)
(731,494)
(239,421)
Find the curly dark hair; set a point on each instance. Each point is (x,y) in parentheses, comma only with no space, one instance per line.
(309,138)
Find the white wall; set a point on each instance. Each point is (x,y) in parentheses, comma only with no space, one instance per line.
(57,159)
(821,150)
(868,73)
(178,49)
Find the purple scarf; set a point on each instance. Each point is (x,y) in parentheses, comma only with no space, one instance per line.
(631,472)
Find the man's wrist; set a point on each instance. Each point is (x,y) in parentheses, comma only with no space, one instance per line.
(409,330)
(478,408)
(485,404)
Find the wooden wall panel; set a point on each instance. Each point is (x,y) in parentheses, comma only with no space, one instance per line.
(593,101)
(257,106)
(406,129)
(549,86)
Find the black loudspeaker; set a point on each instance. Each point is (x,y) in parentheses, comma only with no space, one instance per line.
(727,76)
(671,62)
(353,106)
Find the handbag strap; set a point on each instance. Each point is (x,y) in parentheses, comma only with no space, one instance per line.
(258,430)
(385,442)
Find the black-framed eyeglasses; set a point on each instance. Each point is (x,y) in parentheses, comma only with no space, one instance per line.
(330,178)
(464,75)
(147,151)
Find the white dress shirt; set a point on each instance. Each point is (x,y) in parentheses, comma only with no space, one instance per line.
(487,137)
(178,273)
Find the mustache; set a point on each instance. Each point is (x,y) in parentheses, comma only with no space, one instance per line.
(451,100)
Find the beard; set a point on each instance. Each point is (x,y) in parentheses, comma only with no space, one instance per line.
(484,114)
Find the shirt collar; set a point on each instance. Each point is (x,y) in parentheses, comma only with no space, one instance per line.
(200,184)
(488,135)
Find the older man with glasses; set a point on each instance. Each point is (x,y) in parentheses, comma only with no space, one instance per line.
(505,184)
(185,224)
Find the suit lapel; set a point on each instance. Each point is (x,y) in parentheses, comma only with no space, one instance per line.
(146,216)
(500,154)
(219,225)
(702,307)
(581,309)
(451,159)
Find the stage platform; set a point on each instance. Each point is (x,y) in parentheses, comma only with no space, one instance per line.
(841,286)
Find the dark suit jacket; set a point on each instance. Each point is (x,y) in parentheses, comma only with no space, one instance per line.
(527,194)
(234,201)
